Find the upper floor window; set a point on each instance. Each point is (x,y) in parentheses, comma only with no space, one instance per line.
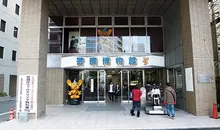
(1,52)
(15,32)
(14,55)
(5,2)
(3,24)
(17,8)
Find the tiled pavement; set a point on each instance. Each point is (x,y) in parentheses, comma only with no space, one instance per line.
(81,118)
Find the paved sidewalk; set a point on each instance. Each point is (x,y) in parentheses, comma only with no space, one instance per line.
(84,117)
(3,99)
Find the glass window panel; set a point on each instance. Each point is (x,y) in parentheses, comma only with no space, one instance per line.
(56,21)
(137,21)
(2,26)
(138,31)
(122,41)
(15,32)
(5,3)
(71,21)
(87,44)
(17,8)
(121,20)
(88,32)
(154,20)
(105,40)
(13,55)
(140,44)
(55,41)
(156,38)
(90,92)
(105,21)
(88,20)
(121,32)
(1,52)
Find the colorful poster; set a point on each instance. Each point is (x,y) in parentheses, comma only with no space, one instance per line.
(27,93)
(73,42)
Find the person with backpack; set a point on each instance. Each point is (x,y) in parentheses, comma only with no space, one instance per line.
(136,98)
(170,100)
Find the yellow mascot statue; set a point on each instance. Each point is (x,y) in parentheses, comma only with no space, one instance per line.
(74,93)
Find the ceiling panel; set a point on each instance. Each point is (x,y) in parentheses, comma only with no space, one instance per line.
(109,7)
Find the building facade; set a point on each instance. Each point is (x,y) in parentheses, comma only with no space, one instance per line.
(10,11)
(125,42)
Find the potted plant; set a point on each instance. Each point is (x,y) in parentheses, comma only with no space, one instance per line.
(74,93)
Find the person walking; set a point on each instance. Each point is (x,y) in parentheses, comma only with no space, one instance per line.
(111,92)
(170,100)
(136,98)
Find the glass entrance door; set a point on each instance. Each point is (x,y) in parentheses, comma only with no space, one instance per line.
(101,85)
(94,85)
(125,85)
(90,86)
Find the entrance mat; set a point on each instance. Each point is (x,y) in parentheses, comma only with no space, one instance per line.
(105,108)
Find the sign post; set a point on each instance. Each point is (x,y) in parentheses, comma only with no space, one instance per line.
(27,94)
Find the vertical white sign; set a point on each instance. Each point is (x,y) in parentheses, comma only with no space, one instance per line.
(27,93)
(189,79)
(92,85)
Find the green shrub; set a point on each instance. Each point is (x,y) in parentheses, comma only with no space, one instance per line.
(3,94)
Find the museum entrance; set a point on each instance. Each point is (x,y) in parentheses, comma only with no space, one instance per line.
(113,85)
(109,86)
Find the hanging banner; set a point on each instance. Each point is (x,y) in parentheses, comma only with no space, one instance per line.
(27,93)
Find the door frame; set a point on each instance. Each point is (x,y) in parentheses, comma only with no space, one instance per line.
(128,81)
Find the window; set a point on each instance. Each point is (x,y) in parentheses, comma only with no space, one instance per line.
(3,24)
(88,20)
(17,8)
(15,32)
(5,3)
(105,21)
(137,21)
(1,52)
(121,20)
(14,55)
(154,20)
(72,21)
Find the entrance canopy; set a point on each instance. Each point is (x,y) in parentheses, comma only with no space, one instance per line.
(108,7)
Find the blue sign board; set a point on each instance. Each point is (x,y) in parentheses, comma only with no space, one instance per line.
(80,61)
(119,61)
(106,60)
(132,61)
(93,61)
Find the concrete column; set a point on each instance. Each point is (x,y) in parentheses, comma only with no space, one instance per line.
(56,86)
(198,54)
(32,50)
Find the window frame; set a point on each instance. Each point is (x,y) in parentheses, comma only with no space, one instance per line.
(14,55)
(2,55)
(1,29)
(17,9)
(15,34)
(5,3)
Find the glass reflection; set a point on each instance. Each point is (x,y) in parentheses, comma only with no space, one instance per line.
(105,44)
(87,45)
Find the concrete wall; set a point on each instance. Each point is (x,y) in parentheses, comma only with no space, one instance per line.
(172,36)
(56,85)
(174,50)
(198,54)
(8,41)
